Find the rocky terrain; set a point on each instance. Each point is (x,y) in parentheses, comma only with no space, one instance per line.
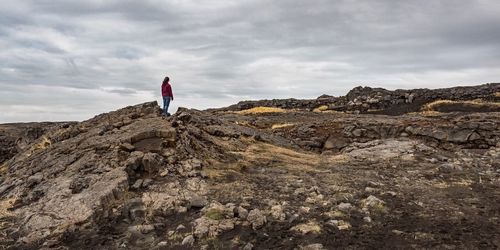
(16,137)
(374,169)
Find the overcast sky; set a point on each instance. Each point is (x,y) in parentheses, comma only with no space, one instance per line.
(71,60)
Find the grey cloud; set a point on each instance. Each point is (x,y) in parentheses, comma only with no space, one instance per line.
(218,52)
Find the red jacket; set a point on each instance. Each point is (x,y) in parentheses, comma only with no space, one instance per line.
(166,90)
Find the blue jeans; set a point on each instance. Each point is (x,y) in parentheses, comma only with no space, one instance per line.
(166,102)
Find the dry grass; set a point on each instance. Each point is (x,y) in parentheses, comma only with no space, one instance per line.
(3,169)
(259,110)
(43,144)
(473,103)
(305,228)
(321,108)
(427,113)
(284,125)
(214,214)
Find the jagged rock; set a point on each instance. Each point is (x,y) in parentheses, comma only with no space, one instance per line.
(256,218)
(152,162)
(304,210)
(188,241)
(372,202)
(160,204)
(241,212)
(134,161)
(134,209)
(137,184)
(344,207)
(335,143)
(198,201)
(277,213)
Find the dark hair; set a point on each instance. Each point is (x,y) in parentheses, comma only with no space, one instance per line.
(166,79)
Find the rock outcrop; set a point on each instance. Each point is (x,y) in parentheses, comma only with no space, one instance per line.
(296,178)
(381,101)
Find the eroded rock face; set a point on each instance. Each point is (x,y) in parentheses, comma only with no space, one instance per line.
(17,137)
(298,180)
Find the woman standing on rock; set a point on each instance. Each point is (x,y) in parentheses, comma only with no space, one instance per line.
(166,92)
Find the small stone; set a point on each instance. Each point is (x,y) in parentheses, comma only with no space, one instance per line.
(182,209)
(201,227)
(162,244)
(137,213)
(340,224)
(147,182)
(152,162)
(248,246)
(367,219)
(304,210)
(145,229)
(391,193)
(370,190)
(374,184)
(293,218)
(397,232)
(137,184)
(357,132)
(226,225)
(180,227)
(198,201)
(164,173)
(344,207)
(310,200)
(316,246)
(277,213)
(188,240)
(256,218)
(372,201)
(241,212)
